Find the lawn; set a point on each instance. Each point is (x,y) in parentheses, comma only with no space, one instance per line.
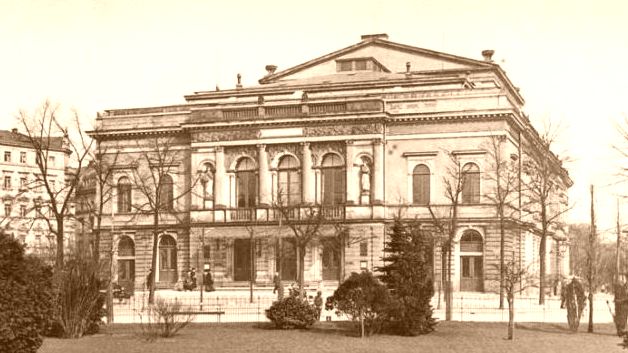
(465,337)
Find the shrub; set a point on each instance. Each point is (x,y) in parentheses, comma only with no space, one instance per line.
(165,318)
(25,298)
(79,301)
(572,296)
(408,276)
(293,311)
(363,299)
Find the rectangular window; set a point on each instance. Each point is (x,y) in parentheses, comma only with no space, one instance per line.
(22,157)
(52,186)
(22,211)
(51,161)
(7,182)
(360,65)
(7,156)
(7,209)
(364,248)
(345,66)
(23,182)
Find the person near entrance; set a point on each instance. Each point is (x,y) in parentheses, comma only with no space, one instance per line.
(208,281)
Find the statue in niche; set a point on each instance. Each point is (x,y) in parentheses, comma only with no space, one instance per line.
(207,182)
(365,178)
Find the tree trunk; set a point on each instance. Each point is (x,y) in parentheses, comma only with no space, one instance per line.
(153,260)
(301,266)
(502,245)
(542,269)
(590,327)
(511,316)
(449,300)
(59,254)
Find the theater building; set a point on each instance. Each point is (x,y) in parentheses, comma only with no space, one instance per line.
(360,135)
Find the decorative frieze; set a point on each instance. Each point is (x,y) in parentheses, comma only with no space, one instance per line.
(332,130)
(215,136)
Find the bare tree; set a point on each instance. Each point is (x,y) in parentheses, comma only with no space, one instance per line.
(445,222)
(505,178)
(543,189)
(48,133)
(514,280)
(157,162)
(305,223)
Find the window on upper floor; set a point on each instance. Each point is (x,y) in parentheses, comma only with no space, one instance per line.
(470,183)
(166,194)
(359,64)
(246,183)
(364,248)
(7,182)
(333,179)
(23,211)
(23,182)
(421,185)
(123,189)
(22,157)
(51,161)
(7,209)
(7,156)
(289,180)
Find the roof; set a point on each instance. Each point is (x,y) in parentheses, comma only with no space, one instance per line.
(16,139)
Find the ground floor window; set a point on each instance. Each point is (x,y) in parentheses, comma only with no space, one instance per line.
(167,259)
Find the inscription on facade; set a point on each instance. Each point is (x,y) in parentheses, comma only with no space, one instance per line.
(332,130)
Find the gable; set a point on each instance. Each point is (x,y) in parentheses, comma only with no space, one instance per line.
(391,57)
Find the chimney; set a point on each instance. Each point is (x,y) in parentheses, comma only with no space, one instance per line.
(239,84)
(271,69)
(408,65)
(488,55)
(382,36)
(14,130)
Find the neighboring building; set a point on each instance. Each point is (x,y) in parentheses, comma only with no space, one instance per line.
(366,132)
(22,192)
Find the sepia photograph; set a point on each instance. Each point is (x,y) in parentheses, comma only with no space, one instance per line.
(331,176)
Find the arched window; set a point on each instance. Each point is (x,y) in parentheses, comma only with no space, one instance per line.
(167,259)
(470,183)
(124,194)
(166,194)
(289,180)
(246,183)
(421,185)
(333,180)
(126,247)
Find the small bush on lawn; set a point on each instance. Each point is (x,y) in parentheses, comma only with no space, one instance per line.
(79,301)
(25,298)
(292,312)
(364,300)
(165,318)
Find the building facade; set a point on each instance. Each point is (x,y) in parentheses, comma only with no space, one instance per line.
(23,194)
(359,136)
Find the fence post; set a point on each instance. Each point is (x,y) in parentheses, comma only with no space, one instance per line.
(461,306)
(258,308)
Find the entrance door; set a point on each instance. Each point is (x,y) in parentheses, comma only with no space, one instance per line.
(126,274)
(331,263)
(242,260)
(167,260)
(472,274)
(288,261)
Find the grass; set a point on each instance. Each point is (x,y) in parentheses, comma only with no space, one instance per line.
(468,337)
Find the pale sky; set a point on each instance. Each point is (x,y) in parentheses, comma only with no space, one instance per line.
(569,58)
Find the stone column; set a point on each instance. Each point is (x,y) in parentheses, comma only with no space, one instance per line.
(221,181)
(307,172)
(378,172)
(352,182)
(264,177)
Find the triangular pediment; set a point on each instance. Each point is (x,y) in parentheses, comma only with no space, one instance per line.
(375,57)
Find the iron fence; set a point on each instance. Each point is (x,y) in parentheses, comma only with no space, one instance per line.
(237,306)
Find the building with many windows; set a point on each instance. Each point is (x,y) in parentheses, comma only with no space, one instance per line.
(22,190)
(360,135)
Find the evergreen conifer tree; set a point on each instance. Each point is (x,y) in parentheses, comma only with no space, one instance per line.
(408,275)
